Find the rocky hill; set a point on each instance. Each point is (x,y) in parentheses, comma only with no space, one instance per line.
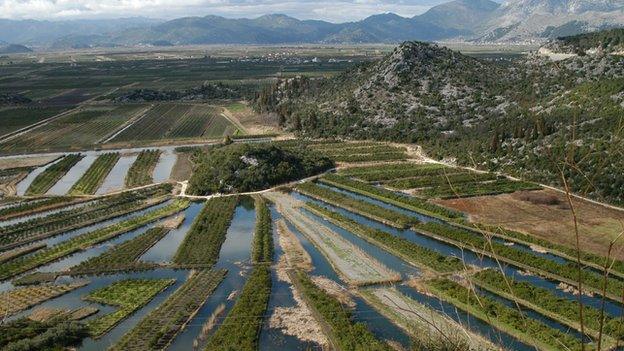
(522,117)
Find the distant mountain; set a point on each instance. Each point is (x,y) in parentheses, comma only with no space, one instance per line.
(475,20)
(526,20)
(32,32)
(14,49)
(463,15)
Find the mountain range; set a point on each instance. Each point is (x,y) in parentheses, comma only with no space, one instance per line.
(465,20)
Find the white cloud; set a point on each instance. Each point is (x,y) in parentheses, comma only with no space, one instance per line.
(335,11)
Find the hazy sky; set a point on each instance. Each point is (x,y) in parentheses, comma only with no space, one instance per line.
(334,11)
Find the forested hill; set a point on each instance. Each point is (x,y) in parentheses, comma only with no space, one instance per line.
(531,117)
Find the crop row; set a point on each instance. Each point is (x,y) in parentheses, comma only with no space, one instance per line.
(500,186)
(241,328)
(128,295)
(451,179)
(94,176)
(262,248)
(346,151)
(366,209)
(390,168)
(386,156)
(477,242)
(410,252)
(545,300)
(61,222)
(25,263)
(31,207)
(123,256)
(159,327)
(20,299)
(404,201)
(203,242)
(509,320)
(394,171)
(345,334)
(140,173)
(587,257)
(328,145)
(46,180)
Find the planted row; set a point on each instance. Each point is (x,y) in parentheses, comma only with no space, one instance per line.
(59,222)
(569,271)
(262,248)
(385,156)
(364,208)
(94,176)
(159,327)
(546,300)
(499,186)
(128,295)
(407,202)
(451,179)
(359,150)
(345,333)
(407,250)
(203,242)
(509,320)
(31,207)
(46,180)
(394,170)
(140,173)
(25,263)
(123,256)
(241,327)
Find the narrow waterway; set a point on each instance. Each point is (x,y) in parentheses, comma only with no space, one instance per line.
(22,186)
(235,257)
(115,180)
(71,177)
(165,164)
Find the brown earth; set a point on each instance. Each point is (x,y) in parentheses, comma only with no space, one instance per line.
(183,168)
(547,215)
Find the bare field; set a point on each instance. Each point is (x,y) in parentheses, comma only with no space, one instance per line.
(249,121)
(546,214)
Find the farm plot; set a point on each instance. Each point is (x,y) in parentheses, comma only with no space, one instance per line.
(400,200)
(32,207)
(362,152)
(385,172)
(424,324)
(46,180)
(128,296)
(140,173)
(159,328)
(203,242)
(499,186)
(83,241)
(241,327)
(355,266)
(506,319)
(59,222)
(123,257)
(344,333)
(170,121)
(13,119)
(20,299)
(94,176)
(366,209)
(73,131)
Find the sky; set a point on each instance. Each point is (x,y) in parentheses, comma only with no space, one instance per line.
(333,11)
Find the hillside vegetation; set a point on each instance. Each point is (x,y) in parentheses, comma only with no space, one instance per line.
(532,117)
